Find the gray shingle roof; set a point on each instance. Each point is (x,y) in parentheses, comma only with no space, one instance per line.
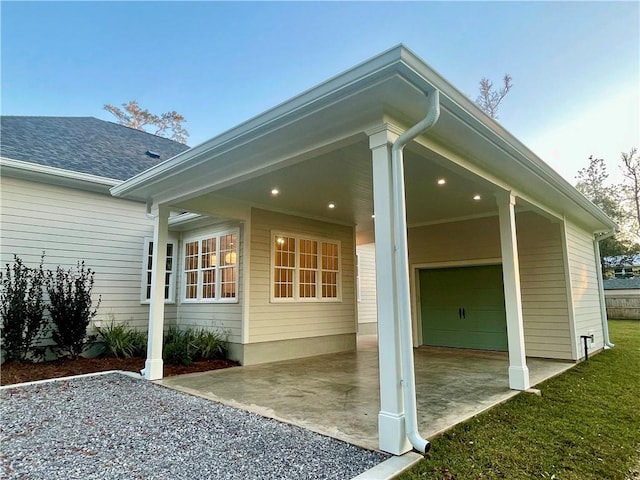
(83,144)
(621,283)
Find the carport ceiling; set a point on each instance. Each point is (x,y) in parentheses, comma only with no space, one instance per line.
(343,178)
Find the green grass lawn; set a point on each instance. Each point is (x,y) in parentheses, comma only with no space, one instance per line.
(585,426)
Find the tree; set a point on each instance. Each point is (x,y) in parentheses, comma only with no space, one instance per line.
(489,99)
(592,183)
(135,117)
(631,171)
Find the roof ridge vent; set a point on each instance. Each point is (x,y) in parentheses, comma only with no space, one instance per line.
(152,154)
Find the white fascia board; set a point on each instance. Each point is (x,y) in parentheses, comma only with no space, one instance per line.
(56,176)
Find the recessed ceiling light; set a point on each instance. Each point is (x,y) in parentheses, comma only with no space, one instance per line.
(441,181)
(332,205)
(477,197)
(275,191)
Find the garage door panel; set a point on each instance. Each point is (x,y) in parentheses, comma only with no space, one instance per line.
(463,307)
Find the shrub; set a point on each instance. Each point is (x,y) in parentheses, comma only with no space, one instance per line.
(22,310)
(178,347)
(122,341)
(71,307)
(210,345)
(183,347)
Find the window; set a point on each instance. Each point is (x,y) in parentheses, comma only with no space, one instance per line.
(210,268)
(305,269)
(147,269)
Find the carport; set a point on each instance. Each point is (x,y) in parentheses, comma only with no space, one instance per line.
(297,187)
(338,395)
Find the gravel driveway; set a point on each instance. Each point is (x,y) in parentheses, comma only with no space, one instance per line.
(116,427)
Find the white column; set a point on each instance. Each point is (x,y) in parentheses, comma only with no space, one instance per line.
(391,428)
(518,370)
(153,367)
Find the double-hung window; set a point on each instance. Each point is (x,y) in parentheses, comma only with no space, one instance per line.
(147,268)
(210,268)
(305,269)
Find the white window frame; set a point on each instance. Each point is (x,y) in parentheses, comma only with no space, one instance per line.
(218,268)
(145,271)
(296,276)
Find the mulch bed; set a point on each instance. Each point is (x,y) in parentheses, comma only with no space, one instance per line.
(19,372)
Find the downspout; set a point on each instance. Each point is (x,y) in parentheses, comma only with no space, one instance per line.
(402,270)
(603,307)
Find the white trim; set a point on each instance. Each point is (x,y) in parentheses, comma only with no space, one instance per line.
(57,172)
(218,285)
(459,263)
(454,219)
(296,277)
(569,289)
(246,279)
(145,271)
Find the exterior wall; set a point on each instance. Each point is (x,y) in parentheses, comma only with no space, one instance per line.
(583,275)
(623,304)
(274,321)
(470,240)
(543,287)
(71,225)
(222,317)
(367,309)
(462,243)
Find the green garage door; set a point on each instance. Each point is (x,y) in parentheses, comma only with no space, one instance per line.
(463,307)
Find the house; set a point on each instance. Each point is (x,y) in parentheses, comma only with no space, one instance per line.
(478,243)
(622,297)
(56,173)
(623,266)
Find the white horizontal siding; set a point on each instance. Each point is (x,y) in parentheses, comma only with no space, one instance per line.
(281,321)
(545,309)
(584,286)
(71,225)
(454,242)
(225,318)
(367,309)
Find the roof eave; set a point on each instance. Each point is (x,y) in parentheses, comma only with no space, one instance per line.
(397,60)
(56,176)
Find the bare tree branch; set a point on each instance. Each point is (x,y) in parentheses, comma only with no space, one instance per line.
(631,171)
(489,99)
(135,117)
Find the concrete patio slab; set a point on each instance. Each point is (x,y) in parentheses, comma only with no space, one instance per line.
(338,394)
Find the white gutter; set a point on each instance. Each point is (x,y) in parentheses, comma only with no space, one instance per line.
(402,271)
(33,169)
(603,307)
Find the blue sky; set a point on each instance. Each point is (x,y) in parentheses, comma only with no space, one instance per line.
(575,65)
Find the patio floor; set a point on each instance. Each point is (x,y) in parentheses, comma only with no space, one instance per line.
(337,394)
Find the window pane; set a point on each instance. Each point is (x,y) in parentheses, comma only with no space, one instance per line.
(283,287)
(209,283)
(191,281)
(329,285)
(284,266)
(307,283)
